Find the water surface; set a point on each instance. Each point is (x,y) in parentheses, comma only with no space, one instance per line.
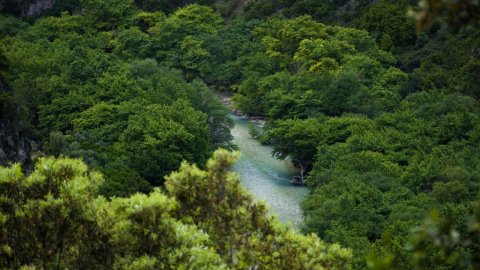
(266,177)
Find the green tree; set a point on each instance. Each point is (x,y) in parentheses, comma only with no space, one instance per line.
(297,140)
(54,219)
(192,20)
(108,14)
(46,220)
(241,231)
(159,138)
(134,43)
(388,23)
(282,37)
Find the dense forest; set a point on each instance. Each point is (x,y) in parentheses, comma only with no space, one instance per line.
(117,152)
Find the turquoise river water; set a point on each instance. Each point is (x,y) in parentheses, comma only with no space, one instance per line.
(267,178)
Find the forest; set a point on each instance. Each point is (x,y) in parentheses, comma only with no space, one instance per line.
(116,151)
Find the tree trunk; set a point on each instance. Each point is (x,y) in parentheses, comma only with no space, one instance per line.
(300,180)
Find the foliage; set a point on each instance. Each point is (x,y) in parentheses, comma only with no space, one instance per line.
(53,218)
(159,138)
(297,140)
(84,87)
(383,122)
(387,23)
(240,228)
(456,12)
(107,14)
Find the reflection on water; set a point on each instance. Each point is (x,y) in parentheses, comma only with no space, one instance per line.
(266,177)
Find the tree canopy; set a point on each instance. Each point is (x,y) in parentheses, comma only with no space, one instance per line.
(54,218)
(375,102)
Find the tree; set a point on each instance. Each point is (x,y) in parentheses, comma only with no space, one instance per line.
(313,53)
(159,138)
(241,230)
(455,13)
(346,211)
(297,140)
(192,20)
(205,100)
(388,23)
(108,14)
(282,37)
(336,98)
(54,219)
(45,217)
(133,43)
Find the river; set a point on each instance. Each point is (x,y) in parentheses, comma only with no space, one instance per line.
(267,178)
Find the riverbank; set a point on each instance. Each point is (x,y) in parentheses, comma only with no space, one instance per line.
(266,177)
(226,98)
